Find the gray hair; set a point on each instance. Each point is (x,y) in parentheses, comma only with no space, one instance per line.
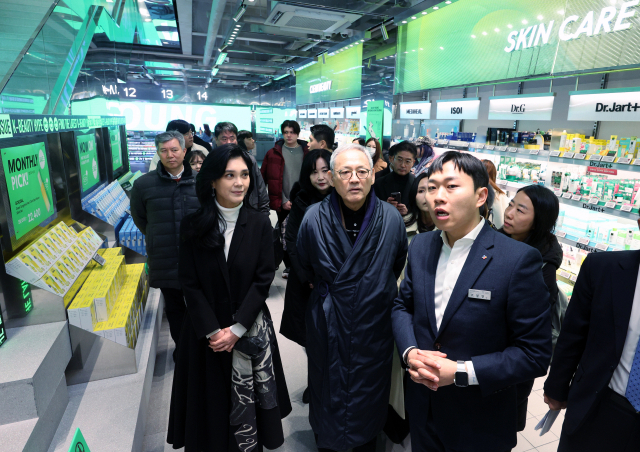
(168,136)
(350,147)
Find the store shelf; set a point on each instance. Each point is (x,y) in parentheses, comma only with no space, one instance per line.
(585,243)
(566,277)
(598,164)
(583,203)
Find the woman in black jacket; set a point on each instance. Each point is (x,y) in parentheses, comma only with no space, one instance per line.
(531,218)
(312,187)
(228,387)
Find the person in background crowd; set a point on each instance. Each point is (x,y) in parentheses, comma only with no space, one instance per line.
(322,137)
(419,220)
(426,156)
(312,187)
(471,320)
(280,170)
(379,165)
(200,141)
(531,218)
(159,201)
(595,372)
(207,135)
(196,160)
(353,247)
(359,141)
(400,180)
(229,388)
(501,201)
(246,141)
(185,129)
(227,133)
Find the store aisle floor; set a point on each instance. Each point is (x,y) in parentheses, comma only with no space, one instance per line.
(298,434)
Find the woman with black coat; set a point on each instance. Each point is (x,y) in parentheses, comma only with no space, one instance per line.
(531,218)
(229,390)
(312,187)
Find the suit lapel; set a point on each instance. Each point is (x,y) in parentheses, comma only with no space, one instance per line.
(429,281)
(622,296)
(238,234)
(479,257)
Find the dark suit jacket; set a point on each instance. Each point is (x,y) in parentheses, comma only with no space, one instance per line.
(507,338)
(593,333)
(245,276)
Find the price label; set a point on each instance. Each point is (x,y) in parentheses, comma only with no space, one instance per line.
(557,191)
(608,158)
(576,197)
(569,155)
(584,241)
(610,205)
(595,158)
(573,278)
(567,195)
(636,162)
(594,201)
(626,208)
(602,246)
(624,160)
(554,154)
(501,148)
(512,149)
(478,145)
(579,156)
(489,147)
(565,274)
(443,141)
(561,234)
(534,151)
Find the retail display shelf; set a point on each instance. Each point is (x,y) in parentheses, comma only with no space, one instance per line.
(633,165)
(599,206)
(566,277)
(584,243)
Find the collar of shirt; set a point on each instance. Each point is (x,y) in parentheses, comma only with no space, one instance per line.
(467,239)
(179,176)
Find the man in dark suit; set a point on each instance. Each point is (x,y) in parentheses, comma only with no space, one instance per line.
(471,320)
(595,373)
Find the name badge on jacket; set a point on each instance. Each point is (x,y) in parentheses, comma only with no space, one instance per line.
(480,294)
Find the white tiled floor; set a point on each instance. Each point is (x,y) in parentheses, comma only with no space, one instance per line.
(298,434)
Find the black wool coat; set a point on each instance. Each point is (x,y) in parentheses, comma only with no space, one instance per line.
(220,292)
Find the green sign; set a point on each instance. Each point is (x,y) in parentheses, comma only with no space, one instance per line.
(78,444)
(340,77)
(481,41)
(375,119)
(26,172)
(268,120)
(89,174)
(116,147)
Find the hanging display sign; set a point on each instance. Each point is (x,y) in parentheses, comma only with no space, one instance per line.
(458,109)
(26,173)
(337,112)
(605,105)
(116,148)
(302,114)
(415,110)
(25,125)
(375,119)
(88,156)
(323,113)
(352,112)
(312,113)
(535,107)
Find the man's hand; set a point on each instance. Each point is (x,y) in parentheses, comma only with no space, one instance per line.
(224,343)
(401,207)
(554,405)
(286,205)
(424,367)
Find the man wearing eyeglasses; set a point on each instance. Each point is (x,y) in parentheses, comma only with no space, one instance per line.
(184,128)
(353,247)
(402,157)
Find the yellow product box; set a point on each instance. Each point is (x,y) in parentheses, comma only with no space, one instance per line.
(65,232)
(32,262)
(103,301)
(77,285)
(83,246)
(72,260)
(59,277)
(48,282)
(116,251)
(52,244)
(99,328)
(47,255)
(80,252)
(58,237)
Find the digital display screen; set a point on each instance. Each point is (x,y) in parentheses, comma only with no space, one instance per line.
(88,169)
(268,120)
(28,181)
(148,91)
(116,147)
(476,41)
(340,77)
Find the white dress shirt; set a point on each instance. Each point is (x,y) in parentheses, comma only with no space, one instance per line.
(230,216)
(450,266)
(178,176)
(621,375)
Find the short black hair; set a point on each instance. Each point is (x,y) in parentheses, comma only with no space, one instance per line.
(228,126)
(546,209)
(180,125)
(242,135)
(360,141)
(466,163)
(193,128)
(290,123)
(323,132)
(309,165)
(403,146)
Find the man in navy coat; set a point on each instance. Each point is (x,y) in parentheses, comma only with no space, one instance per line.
(471,320)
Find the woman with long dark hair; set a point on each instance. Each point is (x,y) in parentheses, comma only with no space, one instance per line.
(229,390)
(418,219)
(380,167)
(531,218)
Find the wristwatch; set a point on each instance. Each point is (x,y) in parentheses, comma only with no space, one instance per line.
(461,378)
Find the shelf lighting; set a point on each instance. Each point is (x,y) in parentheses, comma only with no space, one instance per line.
(221,58)
(214,71)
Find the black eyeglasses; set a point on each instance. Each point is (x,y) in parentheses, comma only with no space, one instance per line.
(360,174)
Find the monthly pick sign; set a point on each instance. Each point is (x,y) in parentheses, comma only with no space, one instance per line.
(88,161)
(605,105)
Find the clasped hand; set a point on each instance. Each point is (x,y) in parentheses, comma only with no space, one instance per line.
(431,368)
(223,341)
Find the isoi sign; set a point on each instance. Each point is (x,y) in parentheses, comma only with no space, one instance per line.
(458,109)
(608,20)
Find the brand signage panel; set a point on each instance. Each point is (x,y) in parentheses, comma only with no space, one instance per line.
(458,109)
(415,110)
(312,113)
(604,105)
(337,112)
(352,112)
(302,114)
(323,113)
(535,108)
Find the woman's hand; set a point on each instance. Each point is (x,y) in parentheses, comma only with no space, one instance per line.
(223,341)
